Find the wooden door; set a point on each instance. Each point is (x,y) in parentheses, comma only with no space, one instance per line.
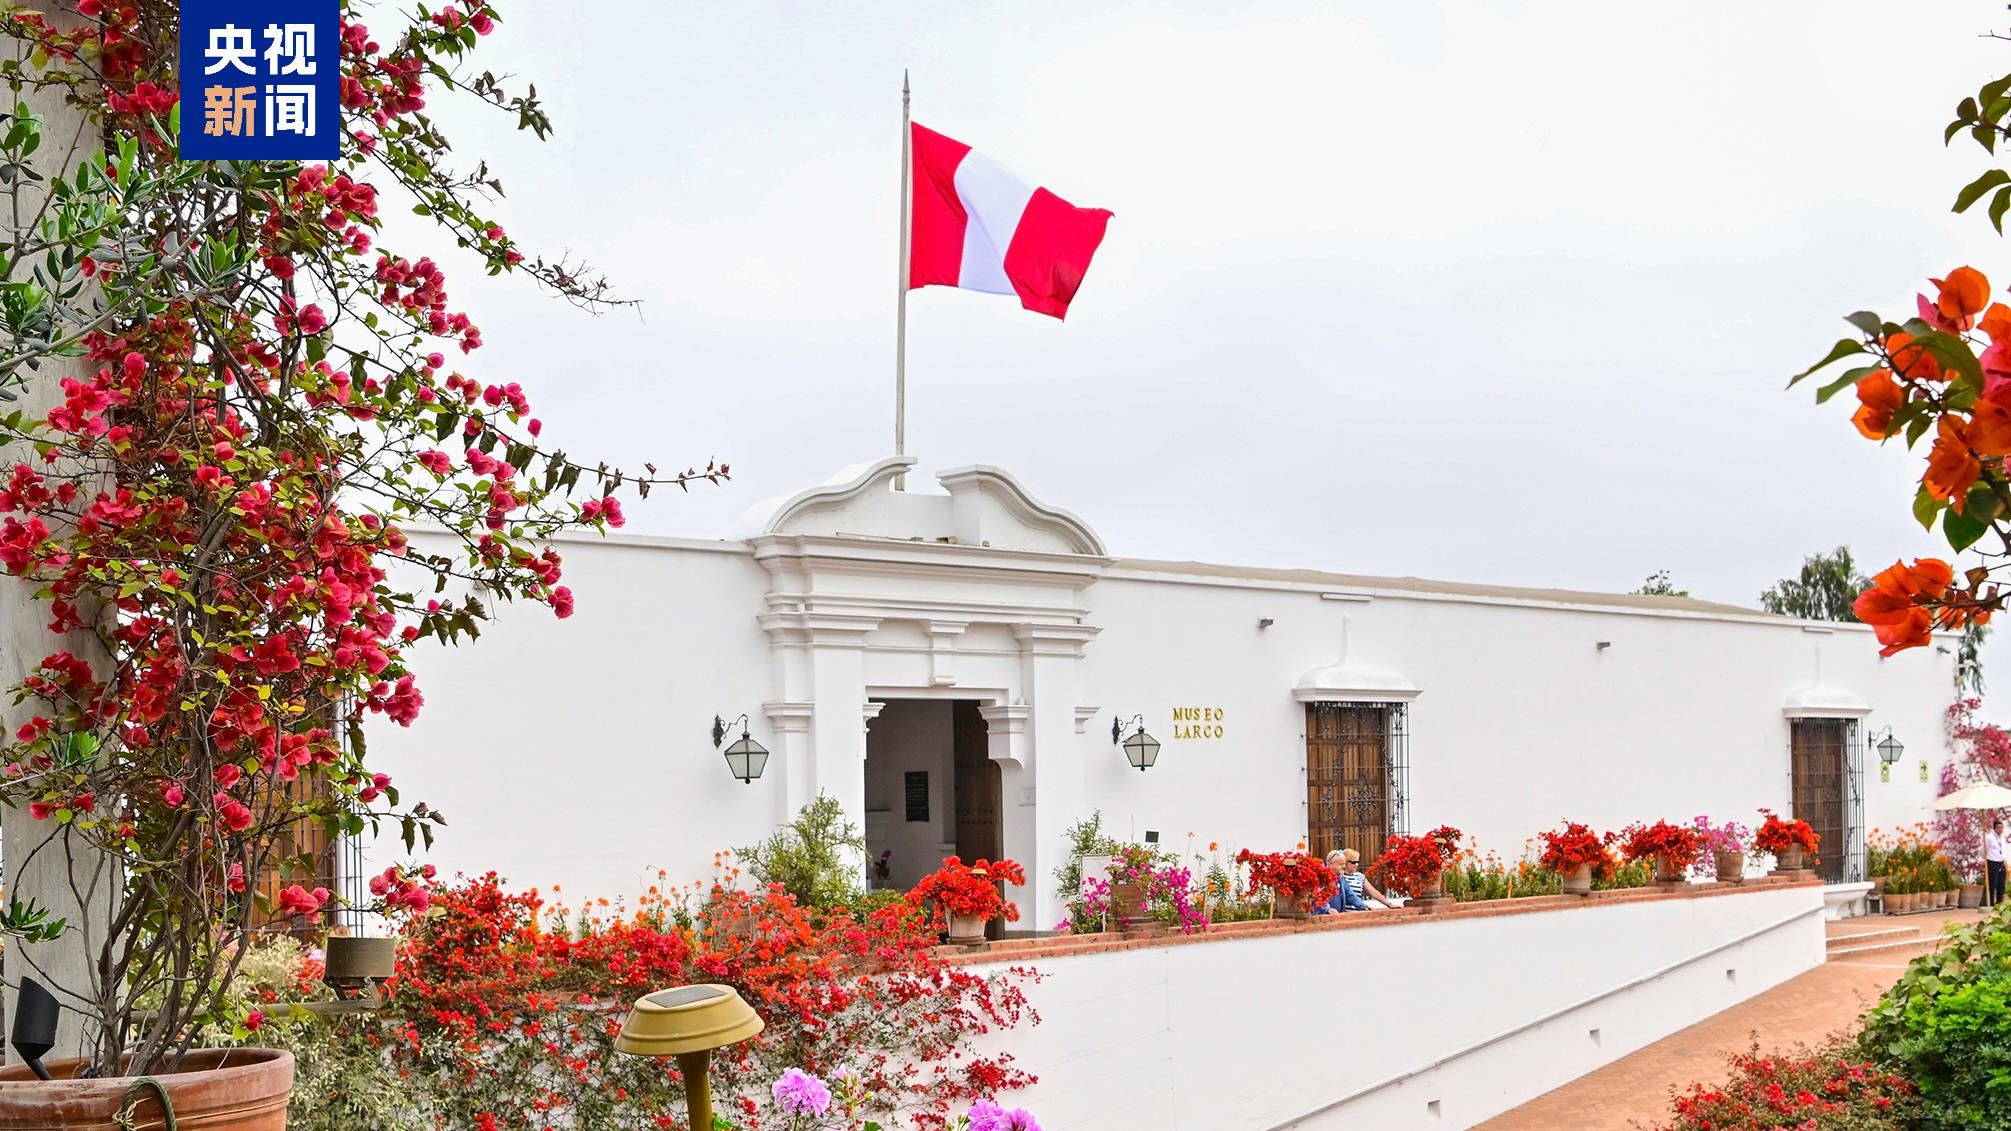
(1347,779)
(978,787)
(303,854)
(1818,749)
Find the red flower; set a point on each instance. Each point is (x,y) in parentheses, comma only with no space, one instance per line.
(1575,846)
(1290,874)
(1777,836)
(970,890)
(1676,844)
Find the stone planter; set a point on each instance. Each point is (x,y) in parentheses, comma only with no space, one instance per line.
(1668,870)
(1432,888)
(1578,881)
(1972,896)
(966,930)
(215,1090)
(1731,867)
(1788,860)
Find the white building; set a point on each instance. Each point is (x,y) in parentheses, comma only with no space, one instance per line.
(949,665)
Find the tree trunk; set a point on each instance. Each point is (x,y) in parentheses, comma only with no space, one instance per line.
(43,861)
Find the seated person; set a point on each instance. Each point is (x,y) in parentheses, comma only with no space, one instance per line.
(1345,898)
(1352,877)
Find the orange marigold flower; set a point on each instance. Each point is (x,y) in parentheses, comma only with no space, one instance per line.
(1964,294)
(1912,360)
(1951,466)
(1879,397)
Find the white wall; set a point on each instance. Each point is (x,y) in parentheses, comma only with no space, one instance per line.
(577,751)
(1523,720)
(1253,1034)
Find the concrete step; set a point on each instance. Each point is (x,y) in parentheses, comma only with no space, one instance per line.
(1868,936)
(1898,948)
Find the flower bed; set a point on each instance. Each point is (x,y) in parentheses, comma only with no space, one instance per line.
(504,1010)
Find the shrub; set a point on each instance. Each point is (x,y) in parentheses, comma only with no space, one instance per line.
(1824,1089)
(815,858)
(1946,1025)
(503,1016)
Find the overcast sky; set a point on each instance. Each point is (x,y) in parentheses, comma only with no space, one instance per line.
(1493,292)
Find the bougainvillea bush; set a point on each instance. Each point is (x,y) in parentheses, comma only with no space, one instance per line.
(1291,874)
(248,397)
(1825,1089)
(1575,846)
(1409,864)
(505,1008)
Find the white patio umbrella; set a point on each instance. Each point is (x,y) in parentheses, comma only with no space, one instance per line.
(1983,796)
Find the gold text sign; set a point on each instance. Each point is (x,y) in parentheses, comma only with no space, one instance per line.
(1197,722)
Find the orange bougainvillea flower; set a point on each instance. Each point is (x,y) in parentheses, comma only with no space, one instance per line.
(1951,467)
(1989,431)
(1912,360)
(1996,322)
(1880,397)
(1964,294)
(1892,606)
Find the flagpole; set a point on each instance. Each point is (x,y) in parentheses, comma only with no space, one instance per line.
(901,302)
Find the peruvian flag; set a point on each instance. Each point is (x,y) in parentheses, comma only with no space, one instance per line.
(978,227)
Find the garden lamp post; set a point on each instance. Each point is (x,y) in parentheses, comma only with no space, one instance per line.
(688,1022)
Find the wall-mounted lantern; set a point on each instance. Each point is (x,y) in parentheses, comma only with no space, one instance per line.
(1141,749)
(746,758)
(1889,749)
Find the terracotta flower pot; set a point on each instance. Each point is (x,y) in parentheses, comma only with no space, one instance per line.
(1578,881)
(1668,870)
(1297,905)
(967,930)
(1788,859)
(216,1090)
(1731,867)
(1432,886)
(1972,896)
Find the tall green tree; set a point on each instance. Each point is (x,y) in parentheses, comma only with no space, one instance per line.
(1828,584)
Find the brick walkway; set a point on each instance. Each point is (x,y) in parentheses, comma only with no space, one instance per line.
(1634,1090)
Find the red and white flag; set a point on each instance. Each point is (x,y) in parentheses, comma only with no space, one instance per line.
(978,227)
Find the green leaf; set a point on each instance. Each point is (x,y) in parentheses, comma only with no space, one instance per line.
(1962,530)
(1986,137)
(1982,503)
(1998,205)
(1974,190)
(1872,325)
(1925,507)
(1849,378)
(1993,90)
(1843,348)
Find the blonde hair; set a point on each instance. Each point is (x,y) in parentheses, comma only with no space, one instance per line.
(1352,856)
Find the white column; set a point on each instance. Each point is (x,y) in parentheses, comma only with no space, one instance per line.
(45,862)
(1048,790)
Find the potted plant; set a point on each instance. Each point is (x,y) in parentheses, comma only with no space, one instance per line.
(1673,848)
(967,896)
(1576,853)
(1295,880)
(1415,865)
(1721,850)
(1789,841)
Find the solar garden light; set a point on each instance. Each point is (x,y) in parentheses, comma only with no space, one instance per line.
(688,1022)
(35,1013)
(746,758)
(1141,749)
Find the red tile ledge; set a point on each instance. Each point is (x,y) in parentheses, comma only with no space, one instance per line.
(1059,946)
